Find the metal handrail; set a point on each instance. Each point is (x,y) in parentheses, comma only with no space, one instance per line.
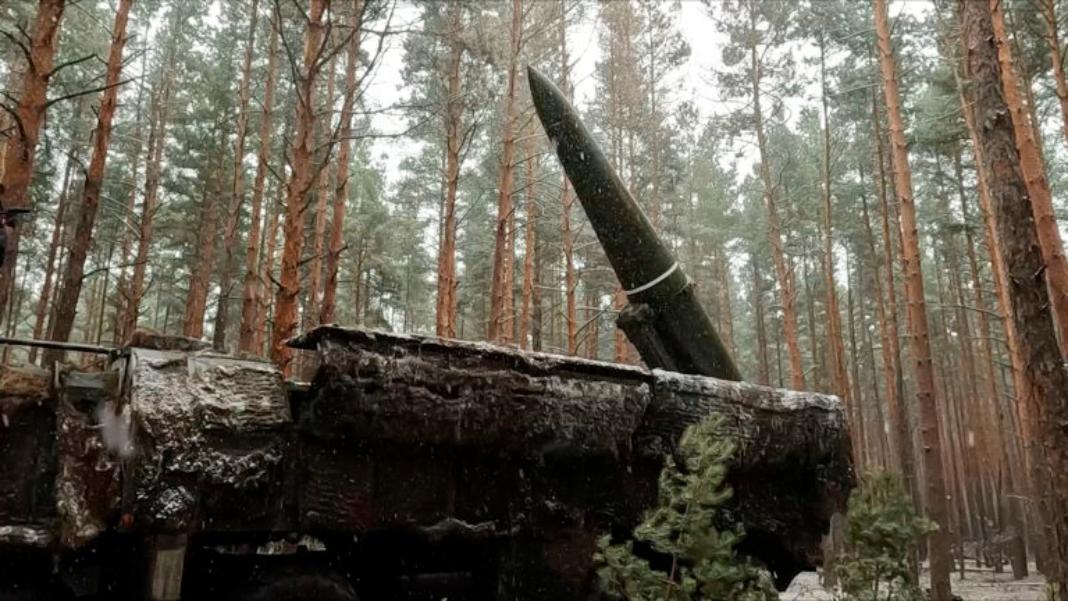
(63,346)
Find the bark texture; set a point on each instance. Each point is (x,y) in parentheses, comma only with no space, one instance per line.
(445,308)
(1034,173)
(21,149)
(502,302)
(300,182)
(1019,225)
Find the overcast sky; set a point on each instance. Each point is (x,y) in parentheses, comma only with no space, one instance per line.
(695,79)
(388,87)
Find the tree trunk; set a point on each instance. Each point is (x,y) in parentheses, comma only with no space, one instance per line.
(834,318)
(1034,173)
(99,334)
(1018,484)
(313,299)
(619,339)
(274,209)
(990,415)
(1056,55)
(67,302)
(818,367)
(502,306)
(300,181)
(567,202)
(157,140)
(654,123)
(726,310)
(341,191)
(252,290)
(897,441)
(926,400)
(763,366)
(196,301)
(237,187)
(445,309)
(530,244)
(1019,224)
(43,301)
(898,411)
(20,150)
(783,267)
(127,218)
(969,430)
(870,449)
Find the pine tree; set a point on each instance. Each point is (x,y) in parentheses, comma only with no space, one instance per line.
(299,184)
(1018,228)
(20,150)
(237,185)
(683,528)
(883,527)
(252,292)
(67,302)
(758,30)
(926,399)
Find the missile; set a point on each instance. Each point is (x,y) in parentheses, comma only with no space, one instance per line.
(664,320)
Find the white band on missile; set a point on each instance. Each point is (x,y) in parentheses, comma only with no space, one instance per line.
(654,282)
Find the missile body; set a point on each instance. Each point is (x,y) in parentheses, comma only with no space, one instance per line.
(664,320)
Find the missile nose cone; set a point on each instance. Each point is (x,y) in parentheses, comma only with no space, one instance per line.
(549,101)
(533,74)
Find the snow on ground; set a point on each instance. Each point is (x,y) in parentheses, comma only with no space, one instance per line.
(978,585)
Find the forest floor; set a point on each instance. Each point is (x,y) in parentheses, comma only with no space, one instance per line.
(978,585)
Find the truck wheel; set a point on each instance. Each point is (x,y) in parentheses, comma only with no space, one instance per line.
(307,585)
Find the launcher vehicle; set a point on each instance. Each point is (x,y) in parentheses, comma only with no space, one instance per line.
(409,467)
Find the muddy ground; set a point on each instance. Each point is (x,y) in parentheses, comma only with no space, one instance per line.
(977,585)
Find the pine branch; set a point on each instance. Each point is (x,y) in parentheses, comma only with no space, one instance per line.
(84,92)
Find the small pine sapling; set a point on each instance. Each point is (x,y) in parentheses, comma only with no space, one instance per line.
(683,528)
(883,529)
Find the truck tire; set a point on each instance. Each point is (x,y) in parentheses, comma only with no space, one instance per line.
(302,585)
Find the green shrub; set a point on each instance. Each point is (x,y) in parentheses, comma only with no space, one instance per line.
(703,564)
(883,528)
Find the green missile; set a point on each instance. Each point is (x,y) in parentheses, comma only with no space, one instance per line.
(664,320)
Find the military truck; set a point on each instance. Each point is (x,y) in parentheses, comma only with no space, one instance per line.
(409,467)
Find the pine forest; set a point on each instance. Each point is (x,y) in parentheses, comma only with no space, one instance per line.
(868,197)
